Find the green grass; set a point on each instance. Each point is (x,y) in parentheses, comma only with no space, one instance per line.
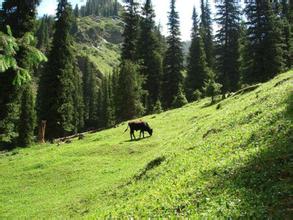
(230,159)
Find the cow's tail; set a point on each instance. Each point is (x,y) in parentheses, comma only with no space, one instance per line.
(126,129)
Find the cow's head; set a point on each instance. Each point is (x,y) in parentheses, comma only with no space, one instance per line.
(150,132)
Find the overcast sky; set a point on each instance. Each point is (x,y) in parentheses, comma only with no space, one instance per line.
(184,7)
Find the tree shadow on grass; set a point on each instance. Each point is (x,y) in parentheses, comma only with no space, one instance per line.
(263,186)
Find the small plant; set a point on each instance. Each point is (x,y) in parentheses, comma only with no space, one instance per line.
(212,88)
(196,95)
(179,100)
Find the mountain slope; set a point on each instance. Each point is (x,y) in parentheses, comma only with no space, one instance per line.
(99,38)
(229,159)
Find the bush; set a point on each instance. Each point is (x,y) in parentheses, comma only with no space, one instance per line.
(179,100)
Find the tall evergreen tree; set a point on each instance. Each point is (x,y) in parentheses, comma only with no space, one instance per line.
(264,43)
(285,16)
(130,91)
(207,32)
(58,82)
(130,82)
(173,61)
(130,34)
(27,117)
(20,16)
(90,94)
(197,68)
(76,11)
(149,53)
(228,47)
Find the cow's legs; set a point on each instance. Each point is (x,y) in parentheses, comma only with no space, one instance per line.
(132,134)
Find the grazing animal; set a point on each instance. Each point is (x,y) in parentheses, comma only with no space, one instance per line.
(139,125)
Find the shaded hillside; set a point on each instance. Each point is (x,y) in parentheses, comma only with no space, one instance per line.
(231,159)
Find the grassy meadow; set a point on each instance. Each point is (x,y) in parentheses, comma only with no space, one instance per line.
(229,159)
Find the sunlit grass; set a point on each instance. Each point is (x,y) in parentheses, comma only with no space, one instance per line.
(229,159)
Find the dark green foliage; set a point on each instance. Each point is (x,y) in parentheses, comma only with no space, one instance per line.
(76,11)
(27,120)
(106,104)
(212,88)
(90,94)
(44,33)
(286,15)
(58,83)
(103,8)
(129,91)
(207,32)
(228,47)
(149,53)
(179,100)
(197,69)
(264,44)
(157,107)
(78,99)
(173,61)
(20,16)
(130,34)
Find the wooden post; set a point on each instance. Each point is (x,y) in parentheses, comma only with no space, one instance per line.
(42,131)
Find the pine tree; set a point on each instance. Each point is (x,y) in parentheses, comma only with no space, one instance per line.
(285,15)
(20,16)
(228,47)
(90,94)
(58,82)
(76,11)
(197,69)
(148,52)
(27,117)
(130,34)
(173,61)
(130,91)
(207,32)
(264,43)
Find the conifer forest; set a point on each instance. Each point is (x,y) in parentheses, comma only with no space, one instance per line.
(220,106)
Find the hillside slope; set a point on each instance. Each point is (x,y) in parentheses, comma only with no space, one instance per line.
(229,159)
(100,38)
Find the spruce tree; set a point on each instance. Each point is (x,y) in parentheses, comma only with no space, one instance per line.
(58,81)
(20,16)
(130,33)
(197,69)
(228,47)
(149,53)
(76,11)
(207,32)
(264,42)
(27,120)
(90,94)
(173,61)
(130,82)
(130,91)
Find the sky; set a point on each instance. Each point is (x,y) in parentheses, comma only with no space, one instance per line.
(184,8)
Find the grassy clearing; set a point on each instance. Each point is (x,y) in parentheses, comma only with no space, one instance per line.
(231,159)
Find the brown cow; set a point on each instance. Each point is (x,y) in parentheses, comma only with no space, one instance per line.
(139,125)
